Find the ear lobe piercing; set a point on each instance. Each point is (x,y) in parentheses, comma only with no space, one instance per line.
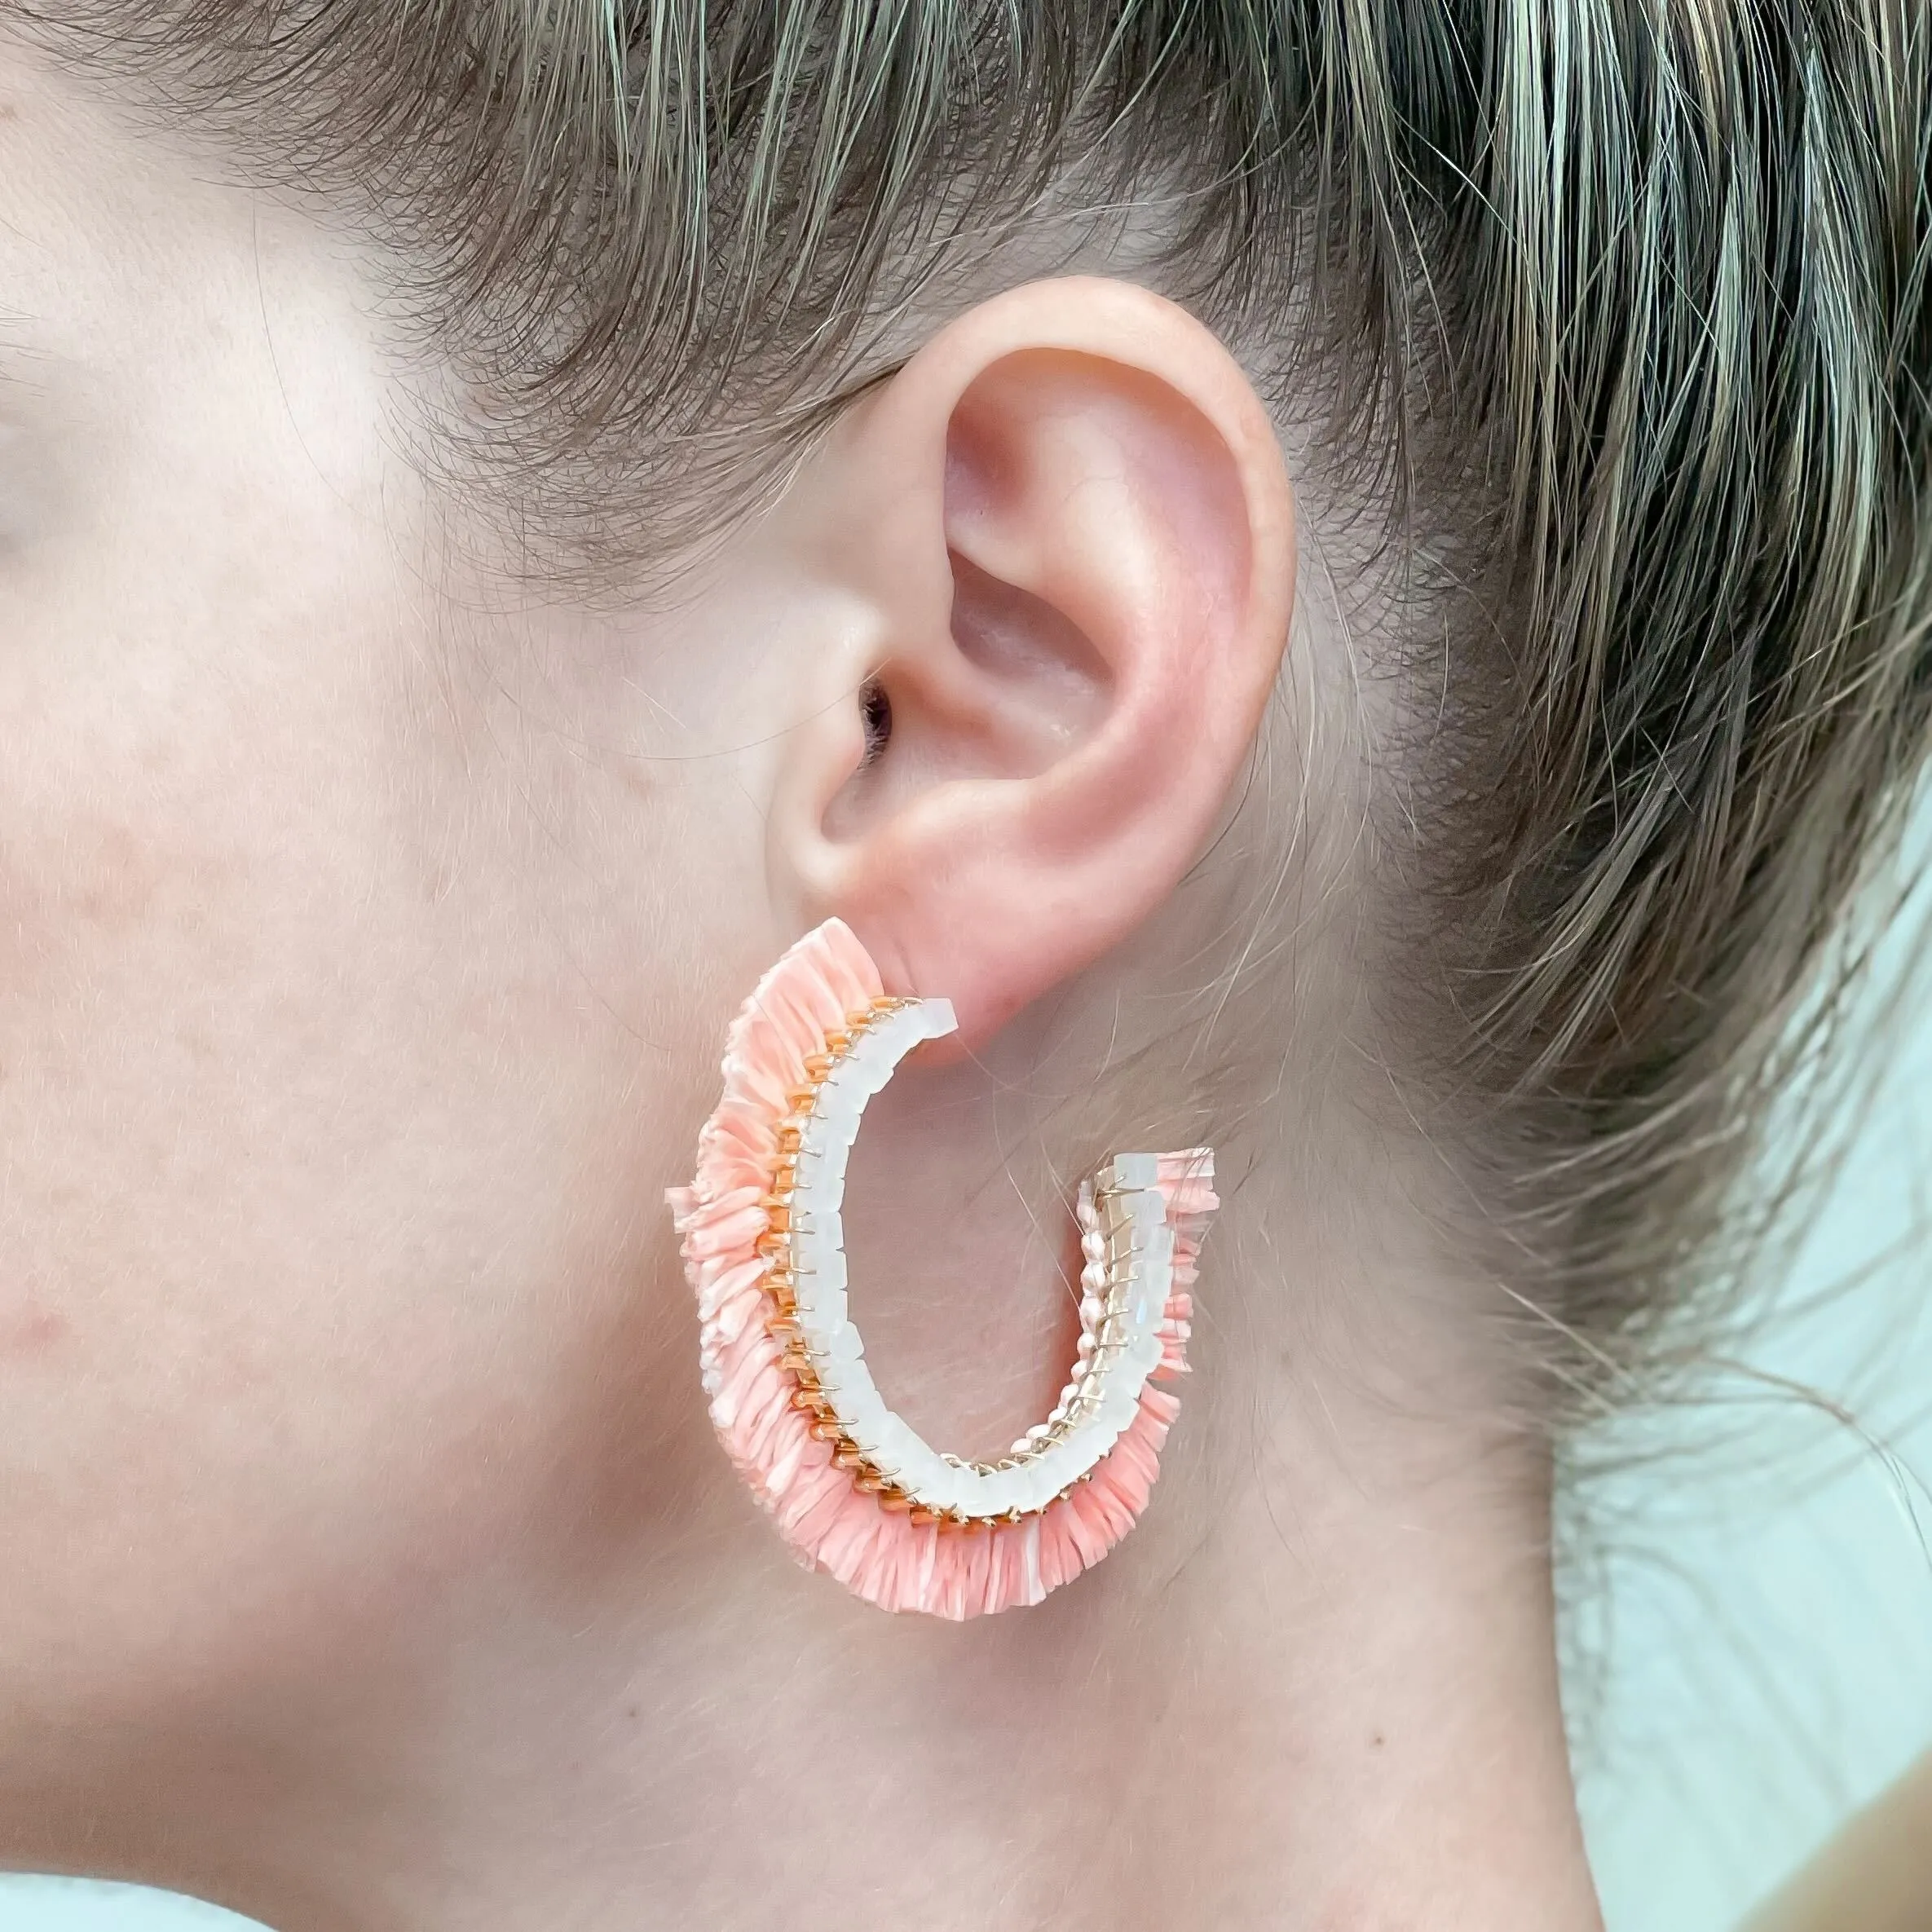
(850,1486)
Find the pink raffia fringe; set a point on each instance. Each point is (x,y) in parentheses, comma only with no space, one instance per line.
(884,1555)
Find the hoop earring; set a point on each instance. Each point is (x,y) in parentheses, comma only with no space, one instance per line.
(852,1488)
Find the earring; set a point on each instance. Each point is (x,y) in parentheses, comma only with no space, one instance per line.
(854,1490)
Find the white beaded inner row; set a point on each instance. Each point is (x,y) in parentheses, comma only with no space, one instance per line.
(1128,1248)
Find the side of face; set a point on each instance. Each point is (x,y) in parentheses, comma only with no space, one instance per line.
(346,1015)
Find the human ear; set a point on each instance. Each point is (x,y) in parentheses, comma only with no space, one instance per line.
(1065,537)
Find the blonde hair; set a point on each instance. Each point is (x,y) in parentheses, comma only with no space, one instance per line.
(1639,286)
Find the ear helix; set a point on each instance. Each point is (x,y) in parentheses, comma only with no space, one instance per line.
(850,1485)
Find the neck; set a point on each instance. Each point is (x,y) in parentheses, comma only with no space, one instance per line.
(1336,1706)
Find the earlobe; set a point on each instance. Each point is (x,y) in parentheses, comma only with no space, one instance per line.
(1068,522)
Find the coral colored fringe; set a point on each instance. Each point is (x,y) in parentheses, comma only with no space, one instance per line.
(942,1569)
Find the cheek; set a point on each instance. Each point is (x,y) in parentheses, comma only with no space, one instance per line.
(334,1130)
(302,1139)
(346,1027)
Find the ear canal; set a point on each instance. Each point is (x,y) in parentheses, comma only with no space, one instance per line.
(851,1487)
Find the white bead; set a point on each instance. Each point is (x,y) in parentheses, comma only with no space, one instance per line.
(862,1407)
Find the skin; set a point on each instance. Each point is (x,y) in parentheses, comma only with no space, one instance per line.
(371,926)
(1875,1874)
